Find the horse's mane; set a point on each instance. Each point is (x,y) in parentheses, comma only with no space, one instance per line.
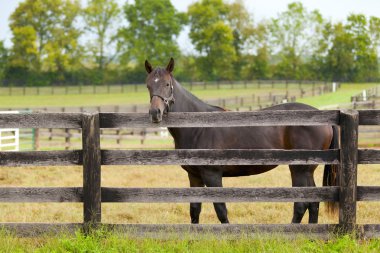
(193,97)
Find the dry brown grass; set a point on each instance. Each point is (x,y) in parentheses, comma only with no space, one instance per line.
(162,176)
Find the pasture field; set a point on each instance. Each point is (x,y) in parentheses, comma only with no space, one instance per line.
(142,97)
(342,96)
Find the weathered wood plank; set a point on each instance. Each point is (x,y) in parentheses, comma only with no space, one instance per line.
(41,120)
(370,231)
(349,124)
(41,158)
(219,157)
(180,195)
(368,156)
(369,117)
(225,119)
(45,194)
(39,229)
(218,194)
(368,193)
(91,168)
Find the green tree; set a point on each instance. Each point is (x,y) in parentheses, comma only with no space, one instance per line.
(243,30)
(213,38)
(3,60)
(295,34)
(366,62)
(318,62)
(153,27)
(44,36)
(257,57)
(64,54)
(340,59)
(102,18)
(374,32)
(349,51)
(24,57)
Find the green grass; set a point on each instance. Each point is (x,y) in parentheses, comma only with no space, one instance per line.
(106,242)
(342,96)
(130,97)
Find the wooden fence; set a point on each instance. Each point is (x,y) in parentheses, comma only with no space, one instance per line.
(122,138)
(46,139)
(91,157)
(32,139)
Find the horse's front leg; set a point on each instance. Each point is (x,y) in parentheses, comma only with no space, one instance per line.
(213,178)
(195,208)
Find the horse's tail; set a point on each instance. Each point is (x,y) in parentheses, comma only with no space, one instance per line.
(331,172)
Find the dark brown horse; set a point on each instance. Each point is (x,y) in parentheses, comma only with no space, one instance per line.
(167,95)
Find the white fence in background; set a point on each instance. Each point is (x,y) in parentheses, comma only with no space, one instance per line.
(164,132)
(9,137)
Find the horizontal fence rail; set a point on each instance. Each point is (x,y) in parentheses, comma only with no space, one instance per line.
(219,157)
(215,194)
(40,195)
(39,120)
(185,157)
(225,119)
(174,195)
(91,157)
(41,158)
(184,195)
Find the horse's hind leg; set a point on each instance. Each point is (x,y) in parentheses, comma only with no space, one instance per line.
(195,208)
(213,178)
(303,176)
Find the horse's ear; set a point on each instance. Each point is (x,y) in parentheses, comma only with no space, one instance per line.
(170,66)
(148,67)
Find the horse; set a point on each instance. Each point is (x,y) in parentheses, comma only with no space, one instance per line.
(167,95)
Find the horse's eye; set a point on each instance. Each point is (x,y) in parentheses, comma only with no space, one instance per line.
(167,84)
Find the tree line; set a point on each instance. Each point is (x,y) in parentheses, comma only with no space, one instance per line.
(60,42)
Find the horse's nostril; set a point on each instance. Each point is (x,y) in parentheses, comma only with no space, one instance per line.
(154,111)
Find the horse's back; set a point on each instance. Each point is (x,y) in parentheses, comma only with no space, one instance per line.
(290,106)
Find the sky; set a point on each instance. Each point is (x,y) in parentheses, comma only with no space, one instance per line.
(336,10)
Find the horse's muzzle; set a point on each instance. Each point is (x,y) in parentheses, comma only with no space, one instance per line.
(155,115)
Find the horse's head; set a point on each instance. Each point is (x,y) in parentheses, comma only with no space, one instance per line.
(160,85)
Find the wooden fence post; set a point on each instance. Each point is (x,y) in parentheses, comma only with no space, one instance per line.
(91,170)
(349,124)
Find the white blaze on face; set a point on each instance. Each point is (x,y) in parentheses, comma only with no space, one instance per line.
(156,80)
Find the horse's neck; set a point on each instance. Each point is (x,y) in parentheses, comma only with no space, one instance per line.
(186,102)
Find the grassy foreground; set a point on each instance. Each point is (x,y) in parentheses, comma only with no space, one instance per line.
(107,242)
